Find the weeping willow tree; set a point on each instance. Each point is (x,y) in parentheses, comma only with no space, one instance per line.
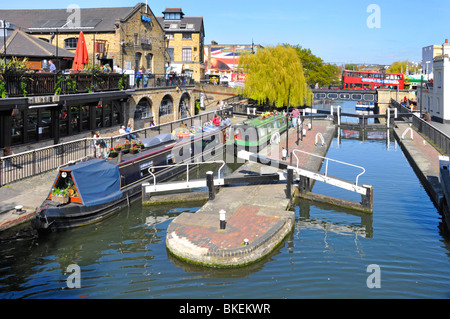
(275,76)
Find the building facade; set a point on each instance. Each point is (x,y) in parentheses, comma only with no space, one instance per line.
(435,97)
(185,43)
(128,37)
(428,54)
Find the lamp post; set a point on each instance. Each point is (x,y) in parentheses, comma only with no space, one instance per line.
(421,90)
(287,122)
(4,39)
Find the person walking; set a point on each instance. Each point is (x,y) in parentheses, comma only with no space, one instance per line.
(295,117)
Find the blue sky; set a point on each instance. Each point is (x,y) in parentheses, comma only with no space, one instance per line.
(336,31)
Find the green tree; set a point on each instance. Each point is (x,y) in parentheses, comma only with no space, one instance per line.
(275,75)
(351,67)
(315,69)
(400,67)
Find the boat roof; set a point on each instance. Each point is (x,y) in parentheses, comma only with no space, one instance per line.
(257,121)
(97,181)
(159,139)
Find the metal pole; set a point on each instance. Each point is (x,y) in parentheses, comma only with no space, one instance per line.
(210,184)
(287,121)
(57,58)
(4,39)
(421,90)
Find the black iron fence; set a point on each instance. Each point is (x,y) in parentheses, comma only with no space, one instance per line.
(27,164)
(161,80)
(436,136)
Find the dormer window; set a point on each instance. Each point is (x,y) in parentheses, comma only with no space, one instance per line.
(172,16)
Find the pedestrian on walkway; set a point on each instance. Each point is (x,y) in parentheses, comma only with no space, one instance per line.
(101,146)
(295,117)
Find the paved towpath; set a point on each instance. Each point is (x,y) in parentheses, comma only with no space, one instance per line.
(424,158)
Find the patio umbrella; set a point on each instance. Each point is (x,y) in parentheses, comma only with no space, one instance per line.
(81,54)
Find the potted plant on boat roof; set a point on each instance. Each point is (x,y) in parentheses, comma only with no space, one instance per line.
(125,150)
(60,195)
(127,144)
(118,148)
(140,145)
(134,149)
(113,153)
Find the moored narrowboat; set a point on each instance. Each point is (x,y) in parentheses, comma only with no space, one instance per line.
(89,191)
(257,132)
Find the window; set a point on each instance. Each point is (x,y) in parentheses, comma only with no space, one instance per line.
(187,36)
(166,106)
(171,52)
(187,54)
(71,43)
(172,16)
(170,36)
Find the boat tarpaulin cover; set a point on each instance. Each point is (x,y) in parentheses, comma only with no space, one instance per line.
(158,140)
(97,181)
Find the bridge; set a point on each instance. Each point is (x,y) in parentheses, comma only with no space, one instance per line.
(349,95)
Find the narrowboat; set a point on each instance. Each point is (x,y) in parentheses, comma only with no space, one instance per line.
(257,132)
(91,190)
(364,107)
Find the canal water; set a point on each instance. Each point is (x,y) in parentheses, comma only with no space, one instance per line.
(398,252)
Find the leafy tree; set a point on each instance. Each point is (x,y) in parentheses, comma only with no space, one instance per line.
(400,67)
(315,69)
(275,75)
(351,67)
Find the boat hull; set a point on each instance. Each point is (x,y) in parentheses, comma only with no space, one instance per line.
(55,217)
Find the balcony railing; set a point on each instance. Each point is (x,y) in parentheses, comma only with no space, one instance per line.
(36,84)
(32,84)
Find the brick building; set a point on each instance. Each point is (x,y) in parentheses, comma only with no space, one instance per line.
(185,36)
(129,37)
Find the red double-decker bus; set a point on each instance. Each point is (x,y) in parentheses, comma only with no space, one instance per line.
(361,80)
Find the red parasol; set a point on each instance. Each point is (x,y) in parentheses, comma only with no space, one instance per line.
(81,54)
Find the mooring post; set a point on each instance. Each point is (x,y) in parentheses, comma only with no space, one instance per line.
(210,184)
(290,181)
(222,218)
(367,200)
(303,185)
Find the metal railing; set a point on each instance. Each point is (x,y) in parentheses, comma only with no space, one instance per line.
(326,159)
(34,84)
(31,163)
(187,183)
(436,136)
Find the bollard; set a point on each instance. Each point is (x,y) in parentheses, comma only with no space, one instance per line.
(223,222)
(210,184)
(290,181)
(367,200)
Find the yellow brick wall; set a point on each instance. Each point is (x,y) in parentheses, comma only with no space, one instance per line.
(178,43)
(124,33)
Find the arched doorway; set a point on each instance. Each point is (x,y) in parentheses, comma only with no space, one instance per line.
(184,108)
